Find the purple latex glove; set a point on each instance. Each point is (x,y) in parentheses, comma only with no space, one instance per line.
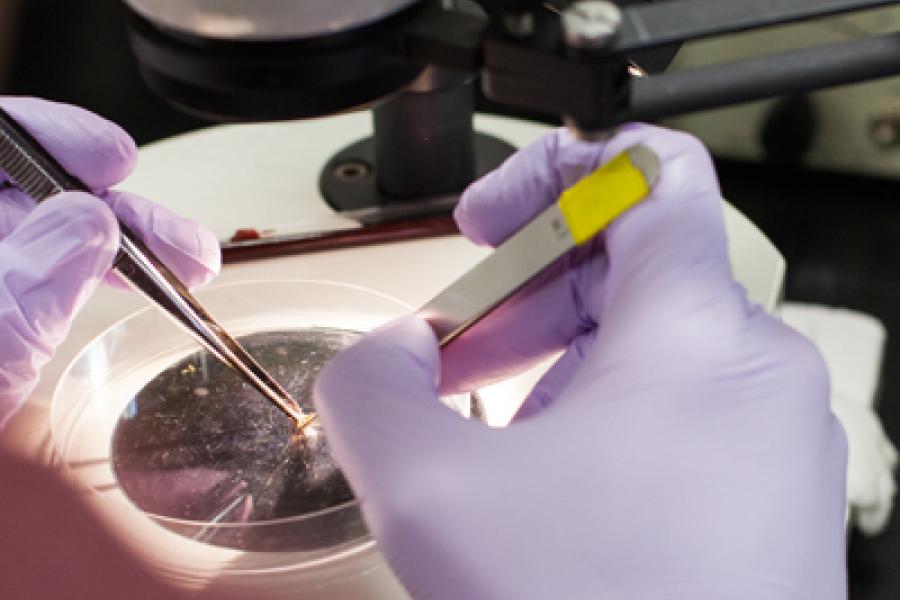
(53,256)
(681,448)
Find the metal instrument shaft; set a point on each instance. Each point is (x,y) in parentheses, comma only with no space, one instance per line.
(34,170)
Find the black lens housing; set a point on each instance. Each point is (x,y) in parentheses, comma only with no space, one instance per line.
(236,80)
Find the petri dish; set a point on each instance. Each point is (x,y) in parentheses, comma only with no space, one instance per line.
(201,474)
(200,447)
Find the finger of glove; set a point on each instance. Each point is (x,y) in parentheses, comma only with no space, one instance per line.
(379,404)
(48,267)
(557,377)
(14,207)
(500,203)
(185,246)
(668,256)
(96,151)
(188,248)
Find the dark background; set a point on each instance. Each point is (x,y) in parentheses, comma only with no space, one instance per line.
(840,234)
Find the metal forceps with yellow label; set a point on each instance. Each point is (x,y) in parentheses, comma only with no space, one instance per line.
(581,212)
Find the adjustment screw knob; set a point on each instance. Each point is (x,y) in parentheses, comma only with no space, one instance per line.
(591,23)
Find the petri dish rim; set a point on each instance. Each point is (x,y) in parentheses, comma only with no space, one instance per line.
(64,426)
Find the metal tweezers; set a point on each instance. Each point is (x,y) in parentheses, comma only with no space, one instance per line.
(40,176)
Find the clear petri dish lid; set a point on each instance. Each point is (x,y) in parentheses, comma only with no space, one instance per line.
(195,466)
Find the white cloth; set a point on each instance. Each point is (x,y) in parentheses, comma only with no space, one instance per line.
(853,344)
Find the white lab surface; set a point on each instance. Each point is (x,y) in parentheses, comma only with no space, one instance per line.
(231,177)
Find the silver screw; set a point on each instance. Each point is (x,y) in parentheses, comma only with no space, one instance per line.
(591,23)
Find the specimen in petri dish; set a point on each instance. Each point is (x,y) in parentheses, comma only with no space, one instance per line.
(205,451)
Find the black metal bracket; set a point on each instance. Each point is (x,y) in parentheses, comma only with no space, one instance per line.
(765,77)
(593,89)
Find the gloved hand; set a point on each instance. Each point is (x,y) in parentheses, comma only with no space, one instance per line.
(682,447)
(53,256)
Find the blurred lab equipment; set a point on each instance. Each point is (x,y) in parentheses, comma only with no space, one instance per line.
(854,129)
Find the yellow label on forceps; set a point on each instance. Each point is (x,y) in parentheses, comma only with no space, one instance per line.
(593,203)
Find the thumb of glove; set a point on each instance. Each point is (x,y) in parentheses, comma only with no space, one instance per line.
(378,401)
